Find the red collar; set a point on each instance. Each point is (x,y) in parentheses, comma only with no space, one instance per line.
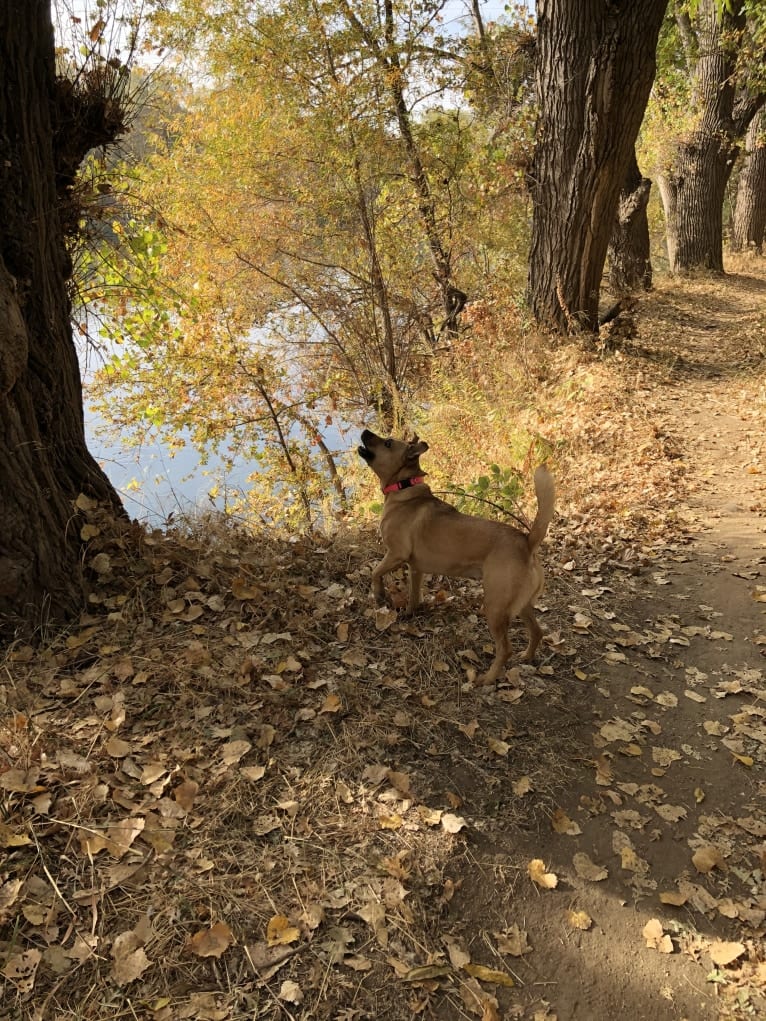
(403,484)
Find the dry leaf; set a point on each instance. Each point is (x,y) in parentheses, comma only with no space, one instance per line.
(21,969)
(722,953)
(211,942)
(185,793)
(291,992)
(279,931)
(579,920)
(513,941)
(331,704)
(130,961)
(707,858)
(536,872)
(563,824)
(586,869)
(497,746)
(498,978)
(674,898)
(452,823)
(655,938)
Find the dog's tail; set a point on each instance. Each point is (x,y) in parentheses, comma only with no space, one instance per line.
(545,490)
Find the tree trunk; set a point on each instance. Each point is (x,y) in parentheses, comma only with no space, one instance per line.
(595,66)
(749,220)
(44,462)
(694,188)
(630,266)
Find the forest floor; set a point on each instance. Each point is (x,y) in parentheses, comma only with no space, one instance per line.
(236,790)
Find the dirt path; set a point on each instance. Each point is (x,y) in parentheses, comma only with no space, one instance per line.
(668,796)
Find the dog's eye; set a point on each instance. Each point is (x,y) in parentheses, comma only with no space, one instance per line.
(387,444)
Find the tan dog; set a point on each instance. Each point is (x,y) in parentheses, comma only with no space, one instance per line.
(431,537)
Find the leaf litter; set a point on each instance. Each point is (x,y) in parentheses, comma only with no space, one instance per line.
(233,768)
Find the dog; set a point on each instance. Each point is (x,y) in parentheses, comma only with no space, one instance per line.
(432,537)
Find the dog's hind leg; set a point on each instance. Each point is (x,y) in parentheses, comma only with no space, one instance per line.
(498,621)
(534,631)
(415,583)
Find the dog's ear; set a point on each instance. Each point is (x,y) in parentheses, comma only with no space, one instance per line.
(416,447)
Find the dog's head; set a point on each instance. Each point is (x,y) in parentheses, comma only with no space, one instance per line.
(391,459)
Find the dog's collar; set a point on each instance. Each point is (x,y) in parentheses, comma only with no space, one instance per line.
(394,487)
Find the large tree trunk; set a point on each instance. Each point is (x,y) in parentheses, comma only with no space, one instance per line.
(595,67)
(630,266)
(44,462)
(694,188)
(749,222)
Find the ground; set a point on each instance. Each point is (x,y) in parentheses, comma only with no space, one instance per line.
(238,791)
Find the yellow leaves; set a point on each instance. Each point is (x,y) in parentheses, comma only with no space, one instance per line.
(484,974)
(579,920)
(498,747)
(538,875)
(279,931)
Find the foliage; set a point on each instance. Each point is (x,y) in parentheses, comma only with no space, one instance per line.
(275,273)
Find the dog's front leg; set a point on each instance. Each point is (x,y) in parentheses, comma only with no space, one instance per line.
(415,585)
(389,563)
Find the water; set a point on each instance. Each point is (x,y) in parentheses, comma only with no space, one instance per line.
(156,484)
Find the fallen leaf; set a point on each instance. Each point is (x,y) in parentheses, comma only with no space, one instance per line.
(130,960)
(331,704)
(536,872)
(586,869)
(291,992)
(579,920)
(674,898)
(707,858)
(452,823)
(722,953)
(20,969)
(498,747)
(279,931)
(211,942)
(655,937)
(498,978)
(513,941)
(561,823)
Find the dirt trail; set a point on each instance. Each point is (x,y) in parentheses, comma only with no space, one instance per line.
(672,733)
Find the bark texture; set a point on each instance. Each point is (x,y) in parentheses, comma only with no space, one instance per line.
(694,188)
(630,265)
(749,221)
(44,461)
(595,67)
